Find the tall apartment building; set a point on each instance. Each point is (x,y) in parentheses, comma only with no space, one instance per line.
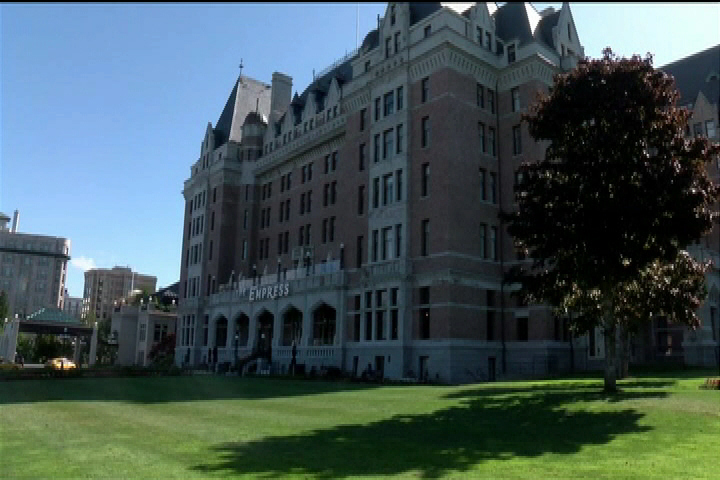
(358,221)
(73,305)
(33,268)
(105,286)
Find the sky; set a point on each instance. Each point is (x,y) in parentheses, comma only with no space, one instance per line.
(103,106)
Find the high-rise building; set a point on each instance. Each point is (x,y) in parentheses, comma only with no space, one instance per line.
(104,287)
(33,268)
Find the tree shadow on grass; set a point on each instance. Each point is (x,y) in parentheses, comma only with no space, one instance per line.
(487,424)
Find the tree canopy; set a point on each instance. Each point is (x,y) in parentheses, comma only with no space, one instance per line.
(621,192)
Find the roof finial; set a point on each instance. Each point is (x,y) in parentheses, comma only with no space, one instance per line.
(241,67)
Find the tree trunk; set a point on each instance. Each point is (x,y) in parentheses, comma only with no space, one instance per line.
(623,350)
(610,355)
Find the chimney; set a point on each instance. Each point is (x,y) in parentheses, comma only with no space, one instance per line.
(16,217)
(280,94)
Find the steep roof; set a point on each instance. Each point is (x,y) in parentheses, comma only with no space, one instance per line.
(522,22)
(246,96)
(692,75)
(343,73)
(420,10)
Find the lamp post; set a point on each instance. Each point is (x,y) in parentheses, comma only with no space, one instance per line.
(236,350)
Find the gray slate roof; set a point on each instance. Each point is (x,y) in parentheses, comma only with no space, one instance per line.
(691,75)
(238,106)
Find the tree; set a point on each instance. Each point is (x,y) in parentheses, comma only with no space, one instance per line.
(163,352)
(617,197)
(4,307)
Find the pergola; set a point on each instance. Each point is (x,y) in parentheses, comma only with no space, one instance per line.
(52,321)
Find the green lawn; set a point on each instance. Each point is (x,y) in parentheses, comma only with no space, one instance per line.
(661,426)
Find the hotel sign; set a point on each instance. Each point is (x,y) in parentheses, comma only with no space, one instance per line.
(268,292)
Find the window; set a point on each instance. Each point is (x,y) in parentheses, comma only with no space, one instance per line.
(480,96)
(481,134)
(481,178)
(424,294)
(387,243)
(333,161)
(368,326)
(280,243)
(522,329)
(398,246)
(491,100)
(214,194)
(376,152)
(399,139)
(362,155)
(491,141)
(398,185)
(387,47)
(302,204)
(697,129)
(479,32)
(483,240)
(309,171)
(425,89)
(309,201)
(376,192)
(517,145)
(388,103)
(379,323)
(210,250)
(493,243)
(710,129)
(427,31)
(425,138)
(425,238)
(377,109)
(569,33)
(326,189)
(359,251)
(515,92)
(332,229)
(511,53)
(388,137)
(333,193)
(324,230)
(387,196)
(327,164)
(301,236)
(400,99)
(374,245)
(367,66)
(392,15)
(363,119)
(361,199)
(493,187)
(245,220)
(425,182)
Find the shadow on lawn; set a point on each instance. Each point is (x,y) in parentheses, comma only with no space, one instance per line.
(489,424)
(166,389)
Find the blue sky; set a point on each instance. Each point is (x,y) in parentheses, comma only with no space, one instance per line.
(103,106)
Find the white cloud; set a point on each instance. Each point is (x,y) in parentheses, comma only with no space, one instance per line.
(83,263)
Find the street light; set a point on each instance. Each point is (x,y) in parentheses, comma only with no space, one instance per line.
(236,350)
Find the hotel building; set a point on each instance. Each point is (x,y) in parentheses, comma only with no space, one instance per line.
(358,221)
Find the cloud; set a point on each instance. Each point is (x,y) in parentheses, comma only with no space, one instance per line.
(83,263)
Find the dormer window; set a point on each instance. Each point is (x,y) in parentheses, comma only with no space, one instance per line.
(427,31)
(569,34)
(488,38)
(479,35)
(511,53)
(392,15)
(387,47)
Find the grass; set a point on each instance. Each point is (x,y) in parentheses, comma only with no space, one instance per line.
(661,426)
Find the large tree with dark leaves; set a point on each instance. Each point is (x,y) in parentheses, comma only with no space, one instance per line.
(606,214)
